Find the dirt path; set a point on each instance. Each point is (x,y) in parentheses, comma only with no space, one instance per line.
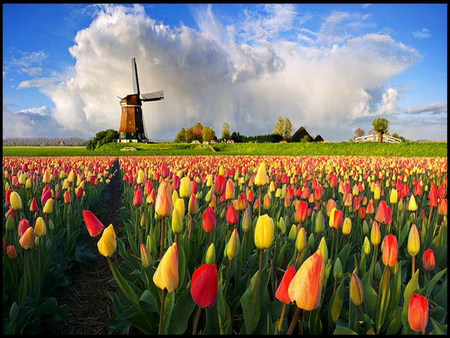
(87,294)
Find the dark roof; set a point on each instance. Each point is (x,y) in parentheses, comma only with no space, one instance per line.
(299,135)
(318,139)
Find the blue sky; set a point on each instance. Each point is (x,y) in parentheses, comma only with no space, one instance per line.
(329,67)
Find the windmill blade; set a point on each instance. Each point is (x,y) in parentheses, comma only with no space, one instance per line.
(135,76)
(154,96)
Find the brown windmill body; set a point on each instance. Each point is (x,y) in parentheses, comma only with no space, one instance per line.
(132,123)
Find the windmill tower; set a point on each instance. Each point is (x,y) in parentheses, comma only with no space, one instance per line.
(131,123)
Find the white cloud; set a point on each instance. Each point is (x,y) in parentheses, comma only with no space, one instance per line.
(422,34)
(432,108)
(43,111)
(214,76)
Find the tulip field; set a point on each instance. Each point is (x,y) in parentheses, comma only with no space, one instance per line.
(232,244)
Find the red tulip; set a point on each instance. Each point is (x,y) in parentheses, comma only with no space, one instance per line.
(34,205)
(282,292)
(11,251)
(301,211)
(93,224)
(231,215)
(24,224)
(362,212)
(418,313)
(46,194)
(137,198)
(204,285)
(389,248)
(442,207)
(219,185)
(67,196)
(442,192)
(433,196)
(370,207)
(209,220)
(428,260)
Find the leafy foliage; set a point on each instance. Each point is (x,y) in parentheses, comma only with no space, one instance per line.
(101,138)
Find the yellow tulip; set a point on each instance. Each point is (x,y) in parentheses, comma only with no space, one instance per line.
(166,275)
(413,241)
(40,229)
(107,244)
(15,201)
(264,232)
(261,175)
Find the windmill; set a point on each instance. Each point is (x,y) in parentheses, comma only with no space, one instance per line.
(131,123)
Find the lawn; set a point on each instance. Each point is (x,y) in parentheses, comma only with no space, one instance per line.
(430,149)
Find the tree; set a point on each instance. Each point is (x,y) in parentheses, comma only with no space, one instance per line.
(359,132)
(279,126)
(181,136)
(101,138)
(381,126)
(226,135)
(283,127)
(287,130)
(208,134)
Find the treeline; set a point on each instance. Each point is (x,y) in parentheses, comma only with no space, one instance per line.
(44,141)
(268,138)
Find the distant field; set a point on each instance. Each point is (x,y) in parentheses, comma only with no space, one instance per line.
(431,149)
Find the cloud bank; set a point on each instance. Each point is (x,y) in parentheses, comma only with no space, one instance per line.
(246,73)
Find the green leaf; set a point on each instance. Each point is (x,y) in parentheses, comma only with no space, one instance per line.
(168,309)
(383,299)
(148,302)
(428,288)
(124,285)
(250,303)
(343,330)
(370,296)
(396,323)
(181,268)
(337,300)
(438,328)
(181,313)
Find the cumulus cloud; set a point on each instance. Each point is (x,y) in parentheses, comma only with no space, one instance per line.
(218,73)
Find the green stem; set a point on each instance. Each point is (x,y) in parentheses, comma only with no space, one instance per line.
(161,243)
(280,322)
(294,321)
(197,319)
(161,313)
(260,201)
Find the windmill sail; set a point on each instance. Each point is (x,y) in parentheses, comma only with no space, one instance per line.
(154,96)
(135,76)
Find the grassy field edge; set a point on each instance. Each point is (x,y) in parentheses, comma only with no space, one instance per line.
(430,149)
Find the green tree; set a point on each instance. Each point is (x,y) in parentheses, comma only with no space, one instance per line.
(279,126)
(101,138)
(359,132)
(226,134)
(287,129)
(381,126)
(208,134)
(181,136)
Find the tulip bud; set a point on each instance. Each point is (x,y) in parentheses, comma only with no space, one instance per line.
(166,275)
(293,232)
(428,260)
(185,187)
(27,239)
(264,232)
(347,227)
(261,175)
(378,273)
(34,205)
(389,248)
(413,241)
(412,205)
(393,198)
(177,221)
(164,203)
(282,293)
(281,225)
(11,251)
(231,215)
(246,220)
(319,223)
(356,290)
(40,229)
(107,243)
(375,234)
(93,224)
(300,242)
(305,287)
(48,207)
(9,223)
(204,285)
(365,227)
(24,224)
(418,312)
(366,246)
(232,246)
(146,258)
(209,220)
(210,256)
(193,205)
(442,206)
(337,269)
(180,206)
(323,249)
(15,200)
(137,197)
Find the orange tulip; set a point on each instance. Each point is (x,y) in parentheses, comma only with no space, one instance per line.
(418,313)
(306,286)
(389,248)
(27,239)
(429,262)
(164,203)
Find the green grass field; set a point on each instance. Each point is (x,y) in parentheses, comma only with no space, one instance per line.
(431,149)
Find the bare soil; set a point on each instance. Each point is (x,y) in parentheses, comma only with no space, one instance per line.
(92,309)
